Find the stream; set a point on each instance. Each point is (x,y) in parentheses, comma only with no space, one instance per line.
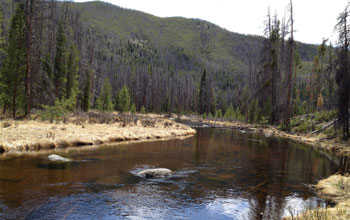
(218,174)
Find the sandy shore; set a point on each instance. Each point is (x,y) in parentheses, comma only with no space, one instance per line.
(33,135)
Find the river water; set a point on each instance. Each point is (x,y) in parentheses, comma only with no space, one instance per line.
(218,174)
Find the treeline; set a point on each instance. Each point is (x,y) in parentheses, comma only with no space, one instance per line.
(50,56)
(279,90)
(284,85)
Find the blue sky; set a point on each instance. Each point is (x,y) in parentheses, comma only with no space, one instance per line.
(314,19)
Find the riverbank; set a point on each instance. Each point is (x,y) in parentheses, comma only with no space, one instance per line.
(335,190)
(318,140)
(87,129)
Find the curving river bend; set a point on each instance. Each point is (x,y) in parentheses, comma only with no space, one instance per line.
(219,174)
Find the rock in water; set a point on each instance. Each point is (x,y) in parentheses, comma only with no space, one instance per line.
(55,157)
(155,173)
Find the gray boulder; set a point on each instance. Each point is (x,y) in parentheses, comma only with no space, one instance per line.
(155,173)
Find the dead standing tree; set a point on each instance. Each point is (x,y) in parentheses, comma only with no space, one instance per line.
(290,71)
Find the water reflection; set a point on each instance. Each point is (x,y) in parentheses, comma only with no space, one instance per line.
(219,174)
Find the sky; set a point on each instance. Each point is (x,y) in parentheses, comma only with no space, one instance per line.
(314,19)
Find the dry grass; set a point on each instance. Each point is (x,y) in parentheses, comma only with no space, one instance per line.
(320,140)
(87,129)
(335,189)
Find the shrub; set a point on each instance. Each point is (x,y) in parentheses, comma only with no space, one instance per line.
(143,110)
(218,114)
(264,120)
(324,116)
(148,123)
(59,111)
(133,109)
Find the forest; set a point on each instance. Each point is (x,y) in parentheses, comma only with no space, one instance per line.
(61,56)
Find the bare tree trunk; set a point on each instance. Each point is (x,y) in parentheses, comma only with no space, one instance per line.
(290,78)
(346,87)
(14,99)
(28,95)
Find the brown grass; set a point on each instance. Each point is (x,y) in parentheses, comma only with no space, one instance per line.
(334,189)
(333,145)
(87,129)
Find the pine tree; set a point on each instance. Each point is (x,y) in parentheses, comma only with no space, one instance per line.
(2,55)
(143,110)
(46,88)
(123,100)
(2,35)
(133,108)
(13,71)
(342,75)
(72,73)
(202,93)
(104,100)
(206,97)
(87,92)
(60,62)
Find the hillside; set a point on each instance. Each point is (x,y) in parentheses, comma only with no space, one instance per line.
(161,60)
(200,40)
(180,45)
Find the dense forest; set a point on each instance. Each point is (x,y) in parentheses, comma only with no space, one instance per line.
(94,55)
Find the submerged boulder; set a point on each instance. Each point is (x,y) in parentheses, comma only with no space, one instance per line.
(155,173)
(58,158)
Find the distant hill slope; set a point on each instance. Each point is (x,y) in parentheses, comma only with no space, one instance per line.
(205,42)
(161,60)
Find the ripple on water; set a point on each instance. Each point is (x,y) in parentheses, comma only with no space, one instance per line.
(218,174)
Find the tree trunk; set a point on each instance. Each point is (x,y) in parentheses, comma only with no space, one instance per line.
(28,95)
(290,78)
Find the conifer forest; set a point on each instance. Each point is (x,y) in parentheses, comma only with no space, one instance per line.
(94,55)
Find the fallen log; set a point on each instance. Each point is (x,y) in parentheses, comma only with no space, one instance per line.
(324,127)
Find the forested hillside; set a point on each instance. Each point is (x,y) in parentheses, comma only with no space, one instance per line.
(77,48)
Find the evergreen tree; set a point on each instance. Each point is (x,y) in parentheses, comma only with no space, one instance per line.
(2,35)
(13,70)
(60,62)
(229,113)
(342,75)
(2,55)
(123,100)
(87,92)
(72,73)
(133,108)
(46,88)
(202,93)
(218,113)
(143,110)
(206,103)
(104,100)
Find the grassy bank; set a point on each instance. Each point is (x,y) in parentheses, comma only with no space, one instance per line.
(86,129)
(335,189)
(301,131)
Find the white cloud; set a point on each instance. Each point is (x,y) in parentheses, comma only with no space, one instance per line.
(315,19)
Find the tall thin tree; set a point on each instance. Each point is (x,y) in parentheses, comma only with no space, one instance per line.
(290,71)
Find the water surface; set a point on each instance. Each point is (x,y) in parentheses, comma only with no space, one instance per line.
(219,174)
